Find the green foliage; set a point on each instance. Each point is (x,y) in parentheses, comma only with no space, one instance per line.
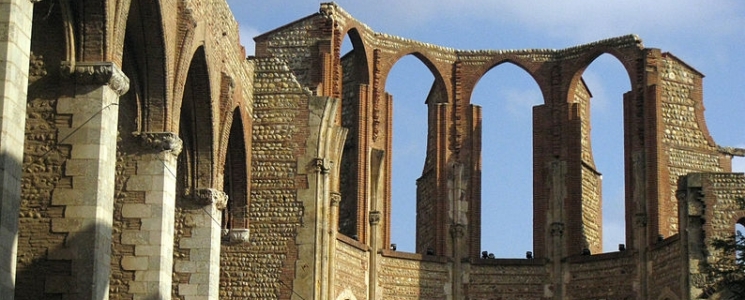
(727,272)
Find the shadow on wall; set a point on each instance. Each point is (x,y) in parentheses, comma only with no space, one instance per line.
(50,276)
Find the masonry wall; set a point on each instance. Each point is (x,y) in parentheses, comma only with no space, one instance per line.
(275,212)
(413,278)
(591,179)
(351,269)
(667,265)
(604,276)
(42,163)
(510,279)
(687,145)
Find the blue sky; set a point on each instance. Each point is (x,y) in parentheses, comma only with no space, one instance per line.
(708,36)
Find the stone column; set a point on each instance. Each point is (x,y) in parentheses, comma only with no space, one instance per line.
(333,229)
(152,261)
(375,218)
(86,189)
(203,246)
(15,43)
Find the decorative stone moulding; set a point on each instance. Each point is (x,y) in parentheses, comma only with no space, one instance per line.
(97,73)
(211,196)
(557,229)
(161,141)
(238,235)
(375,217)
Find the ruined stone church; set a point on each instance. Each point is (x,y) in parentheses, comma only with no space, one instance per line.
(143,155)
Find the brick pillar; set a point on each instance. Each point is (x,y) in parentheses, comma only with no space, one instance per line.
(155,175)
(15,43)
(86,189)
(202,268)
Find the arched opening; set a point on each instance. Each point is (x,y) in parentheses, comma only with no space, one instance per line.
(193,217)
(740,242)
(411,85)
(195,113)
(355,97)
(235,182)
(506,95)
(606,81)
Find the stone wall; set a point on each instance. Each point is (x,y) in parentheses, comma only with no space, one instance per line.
(407,278)
(604,276)
(510,279)
(351,270)
(275,211)
(687,144)
(667,265)
(592,196)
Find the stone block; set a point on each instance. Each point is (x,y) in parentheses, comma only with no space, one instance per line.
(62,196)
(66,225)
(137,287)
(134,263)
(185,266)
(72,211)
(187,289)
(135,237)
(56,284)
(143,250)
(135,210)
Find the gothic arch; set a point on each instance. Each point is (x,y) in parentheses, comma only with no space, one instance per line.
(195,123)
(236,174)
(495,64)
(439,82)
(142,56)
(583,62)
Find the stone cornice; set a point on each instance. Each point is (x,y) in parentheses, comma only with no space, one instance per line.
(97,73)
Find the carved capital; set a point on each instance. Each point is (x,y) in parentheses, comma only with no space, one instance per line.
(161,141)
(239,235)
(211,196)
(97,73)
(335,198)
(321,165)
(375,217)
(640,220)
(557,229)
(458,230)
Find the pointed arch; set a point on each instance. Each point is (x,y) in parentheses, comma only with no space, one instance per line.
(236,174)
(195,124)
(601,145)
(506,94)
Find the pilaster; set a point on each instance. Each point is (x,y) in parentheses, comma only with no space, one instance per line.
(200,269)
(15,42)
(152,260)
(89,175)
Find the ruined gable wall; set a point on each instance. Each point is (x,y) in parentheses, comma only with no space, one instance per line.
(687,145)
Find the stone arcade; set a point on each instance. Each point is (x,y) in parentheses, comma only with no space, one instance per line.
(158,162)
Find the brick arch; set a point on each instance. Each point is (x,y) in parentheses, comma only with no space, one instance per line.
(581,64)
(480,73)
(91,16)
(359,45)
(424,57)
(143,47)
(588,193)
(236,172)
(195,123)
